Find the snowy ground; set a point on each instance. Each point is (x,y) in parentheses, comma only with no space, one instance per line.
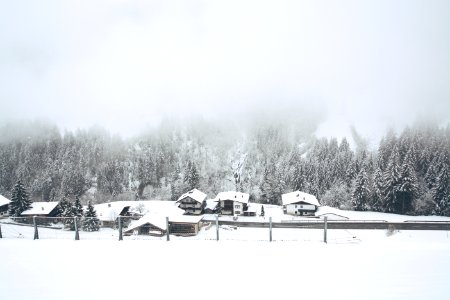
(356,264)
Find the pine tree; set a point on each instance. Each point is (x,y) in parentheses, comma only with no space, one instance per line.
(408,186)
(191,176)
(91,222)
(78,208)
(391,182)
(69,213)
(361,193)
(63,204)
(377,194)
(20,201)
(441,192)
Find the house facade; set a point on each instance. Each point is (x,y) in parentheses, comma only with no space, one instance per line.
(232,203)
(192,202)
(299,204)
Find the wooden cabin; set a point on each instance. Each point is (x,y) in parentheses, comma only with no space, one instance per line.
(192,202)
(185,225)
(43,211)
(299,204)
(150,224)
(232,203)
(156,225)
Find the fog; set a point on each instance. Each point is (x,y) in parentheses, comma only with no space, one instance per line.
(128,64)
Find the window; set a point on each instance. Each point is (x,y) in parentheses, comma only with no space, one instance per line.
(238,212)
(237,206)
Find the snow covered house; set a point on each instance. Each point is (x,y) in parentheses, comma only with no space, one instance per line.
(108,213)
(150,224)
(299,204)
(185,225)
(4,205)
(232,203)
(42,209)
(192,202)
(156,225)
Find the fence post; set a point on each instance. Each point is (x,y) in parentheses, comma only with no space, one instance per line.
(1,231)
(167,228)
(270,228)
(217,227)
(120,228)
(36,233)
(325,227)
(77,235)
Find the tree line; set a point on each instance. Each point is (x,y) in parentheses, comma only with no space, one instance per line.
(407,173)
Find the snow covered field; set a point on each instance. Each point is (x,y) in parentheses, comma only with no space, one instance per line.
(356,264)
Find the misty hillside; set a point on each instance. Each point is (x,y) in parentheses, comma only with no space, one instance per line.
(407,173)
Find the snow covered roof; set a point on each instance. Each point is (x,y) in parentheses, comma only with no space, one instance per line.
(185,219)
(111,210)
(165,208)
(159,220)
(253,207)
(234,196)
(331,212)
(211,204)
(40,208)
(194,194)
(154,219)
(298,196)
(4,201)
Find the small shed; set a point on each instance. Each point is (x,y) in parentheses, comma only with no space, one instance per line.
(4,205)
(155,225)
(149,224)
(192,202)
(299,204)
(185,225)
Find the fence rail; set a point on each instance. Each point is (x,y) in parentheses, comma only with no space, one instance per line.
(72,228)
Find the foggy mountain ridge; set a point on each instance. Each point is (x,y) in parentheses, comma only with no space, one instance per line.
(406,173)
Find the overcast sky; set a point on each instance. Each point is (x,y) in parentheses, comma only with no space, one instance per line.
(125,64)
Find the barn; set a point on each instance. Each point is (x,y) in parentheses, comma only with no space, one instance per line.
(299,204)
(192,202)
